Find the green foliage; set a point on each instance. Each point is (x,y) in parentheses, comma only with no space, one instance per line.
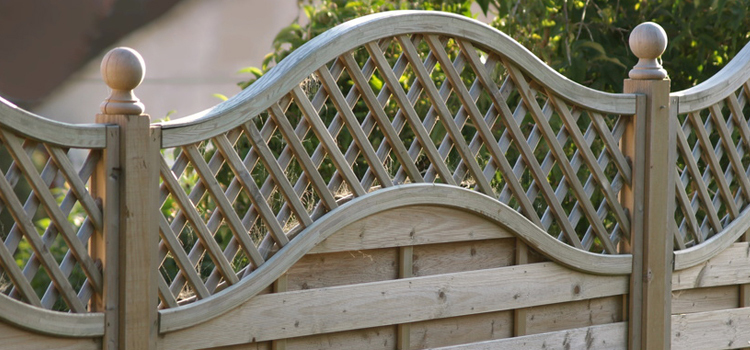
(584,40)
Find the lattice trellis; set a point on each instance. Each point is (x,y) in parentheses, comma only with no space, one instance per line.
(407,109)
(47,217)
(712,168)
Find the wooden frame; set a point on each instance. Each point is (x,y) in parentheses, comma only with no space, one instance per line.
(446,218)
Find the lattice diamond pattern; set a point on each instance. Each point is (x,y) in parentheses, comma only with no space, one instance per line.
(408,109)
(712,168)
(47,217)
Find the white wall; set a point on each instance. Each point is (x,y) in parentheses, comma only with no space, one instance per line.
(191,53)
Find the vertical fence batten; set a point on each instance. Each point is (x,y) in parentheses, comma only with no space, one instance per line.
(653,193)
(136,239)
(383,202)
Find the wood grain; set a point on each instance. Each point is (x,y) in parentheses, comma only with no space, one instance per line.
(335,309)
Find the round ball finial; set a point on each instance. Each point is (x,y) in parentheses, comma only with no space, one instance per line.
(123,70)
(648,41)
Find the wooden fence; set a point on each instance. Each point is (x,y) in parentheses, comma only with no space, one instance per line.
(406,180)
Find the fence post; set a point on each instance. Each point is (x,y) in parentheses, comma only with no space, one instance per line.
(650,144)
(128,181)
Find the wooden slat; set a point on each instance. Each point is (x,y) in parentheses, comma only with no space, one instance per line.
(597,120)
(705,299)
(310,170)
(292,314)
(593,166)
(277,173)
(369,338)
(561,158)
(684,202)
(197,223)
(461,330)
(409,226)
(498,155)
(536,171)
(181,259)
(723,269)
(13,144)
(726,139)
(239,231)
(405,270)
(376,108)
(77,185)
(335,127)
(245,179)
(354,127)
(702,190)
(32,204)
(444,114)
(29,232)
(19,339)
(327,140)
(325,270)
(713,164)
(721,329)
(576,314)
(435,259)
(604,337)
(67,265)
(408,110)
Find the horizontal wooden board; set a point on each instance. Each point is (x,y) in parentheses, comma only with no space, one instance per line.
(19,339)
(335,309)
(720,329)
(415,225)
(705,299)
(336,269)
(371,338)
(611,336)
(576,314)
(436,259)
(461,330)
(266,345)
(729,267)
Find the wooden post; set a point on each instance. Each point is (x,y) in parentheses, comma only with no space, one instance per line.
(130,169)
(653,153)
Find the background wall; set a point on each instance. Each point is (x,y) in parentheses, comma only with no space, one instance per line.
(191,53)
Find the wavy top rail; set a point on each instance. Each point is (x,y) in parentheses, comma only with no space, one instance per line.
(391,99)
(49,131)
(300,64)
(713,143)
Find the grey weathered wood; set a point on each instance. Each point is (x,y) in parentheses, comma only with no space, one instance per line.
(138,195)
(611,336)
(653,193)
(397,301)
(391,198)
(270,88)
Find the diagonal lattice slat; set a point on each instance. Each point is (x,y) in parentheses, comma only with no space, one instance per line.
(407,109)
(44,258)
(713,187)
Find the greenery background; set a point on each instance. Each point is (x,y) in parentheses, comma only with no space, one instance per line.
(703,35)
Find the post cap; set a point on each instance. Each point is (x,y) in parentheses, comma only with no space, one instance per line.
(123,70)
(648,41)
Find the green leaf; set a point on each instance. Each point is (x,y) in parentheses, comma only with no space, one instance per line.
(220,96)
(252,70)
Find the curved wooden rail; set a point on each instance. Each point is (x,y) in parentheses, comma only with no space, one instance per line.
(362,207)
(49,322)
(713,115)
(728,79)
(329,45)
(50,131)
(702,252)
